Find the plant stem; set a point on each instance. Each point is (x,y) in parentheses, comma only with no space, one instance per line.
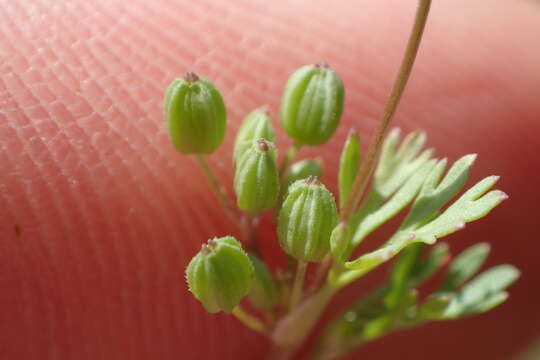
(218,189)
(292,330)
(249,225)
(298,284)
(367,166)
(289,158)
(322,272)
(249,320)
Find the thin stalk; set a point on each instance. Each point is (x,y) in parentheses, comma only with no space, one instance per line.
(291,331)
(249,320)
(218,189)
(366,168)
(247,223)
(289,158)
(321,273)
(298,284)
(251,241)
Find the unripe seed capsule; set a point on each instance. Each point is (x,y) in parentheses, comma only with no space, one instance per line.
(195,114)
(257,125)
(220,275)
(264,292)
(312,104)
(306,220)
(256,180)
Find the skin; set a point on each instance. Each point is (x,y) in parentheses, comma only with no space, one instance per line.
(99,215)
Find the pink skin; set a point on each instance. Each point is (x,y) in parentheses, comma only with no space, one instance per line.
(99,215)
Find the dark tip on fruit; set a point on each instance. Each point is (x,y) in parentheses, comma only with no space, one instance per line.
(205,249)
(263,145)
(322,65)
(312,180)
(191,77)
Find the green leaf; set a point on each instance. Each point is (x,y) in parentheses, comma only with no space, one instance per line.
(394,205)
(433,195)
(410,270)
(377,327)
(491,302)
(465,266)
(484,292)
(472,205)
(435,306)
(348,166)
(397,164)
(434,261)
(400,274)
(394,168)
(369,261)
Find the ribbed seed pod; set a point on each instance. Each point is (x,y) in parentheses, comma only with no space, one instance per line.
(256,179)
(220,275)
(264,292)
(312,104)
(195,114)
(256,125)
(306,220)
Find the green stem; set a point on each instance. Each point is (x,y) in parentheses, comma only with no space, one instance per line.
(289,158)
(218,189)
(249,320)
(367,166)
(291,331)
(298,284)
(364,173)
(321,273)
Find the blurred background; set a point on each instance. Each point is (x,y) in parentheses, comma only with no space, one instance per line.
(99,215)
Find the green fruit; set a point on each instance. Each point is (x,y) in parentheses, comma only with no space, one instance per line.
(264,292)
(220,275)
(195,114)
(256,179)
(306,220)
(257,125)
(312,104)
